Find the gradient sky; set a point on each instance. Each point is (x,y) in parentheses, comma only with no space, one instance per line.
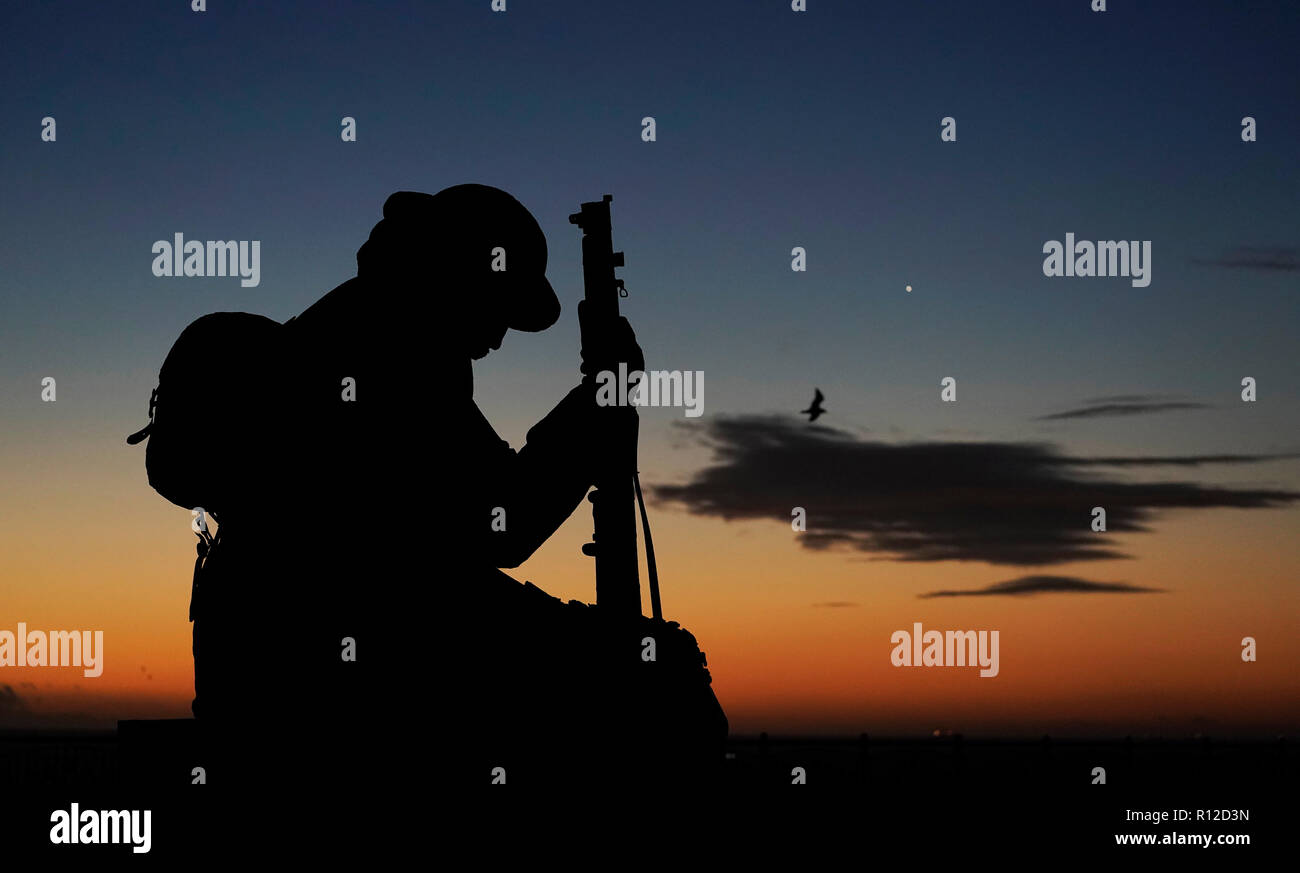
(775,129)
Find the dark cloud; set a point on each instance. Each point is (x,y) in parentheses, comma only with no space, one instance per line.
(834,604)
(1027,585)
(1284,259)
(1020,504)
(1136,406)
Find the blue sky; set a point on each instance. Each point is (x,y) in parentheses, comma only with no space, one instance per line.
(775,129)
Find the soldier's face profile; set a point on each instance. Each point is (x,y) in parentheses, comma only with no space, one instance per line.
(486,335)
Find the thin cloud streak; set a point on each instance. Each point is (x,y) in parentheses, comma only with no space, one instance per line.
(1103,410)
(1180,460)
(1025,586)
(1285,259)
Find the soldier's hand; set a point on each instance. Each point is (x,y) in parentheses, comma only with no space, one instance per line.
(617,346)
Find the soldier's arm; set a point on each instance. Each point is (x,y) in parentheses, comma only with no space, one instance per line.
(534,490)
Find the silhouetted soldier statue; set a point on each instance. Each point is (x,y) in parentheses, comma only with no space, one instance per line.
(352,623)
(404,482)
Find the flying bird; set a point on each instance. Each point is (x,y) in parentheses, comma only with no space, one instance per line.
(815,409)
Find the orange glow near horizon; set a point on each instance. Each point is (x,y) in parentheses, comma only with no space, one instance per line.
(111,555)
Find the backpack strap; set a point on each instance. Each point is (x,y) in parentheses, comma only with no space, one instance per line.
(143,432)
(203,547)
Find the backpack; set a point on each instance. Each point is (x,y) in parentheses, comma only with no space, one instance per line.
(210,411)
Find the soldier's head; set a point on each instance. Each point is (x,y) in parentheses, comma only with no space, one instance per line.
(469,259)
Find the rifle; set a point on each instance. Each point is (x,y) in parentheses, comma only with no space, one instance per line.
(618,582)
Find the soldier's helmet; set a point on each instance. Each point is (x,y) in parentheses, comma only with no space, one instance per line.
(476,232)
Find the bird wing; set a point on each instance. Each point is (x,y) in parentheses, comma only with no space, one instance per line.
(818,397)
